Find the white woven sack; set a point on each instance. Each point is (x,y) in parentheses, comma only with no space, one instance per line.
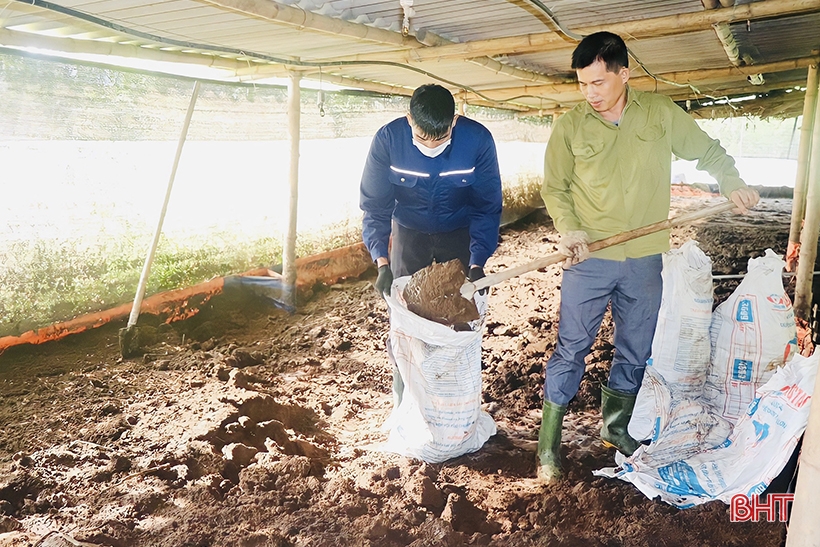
(681,346)
(753,334)
(440,414)
(761,443)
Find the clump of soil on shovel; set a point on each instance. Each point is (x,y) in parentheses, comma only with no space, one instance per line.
(434,293)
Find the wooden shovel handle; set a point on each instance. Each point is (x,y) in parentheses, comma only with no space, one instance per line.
(623,237)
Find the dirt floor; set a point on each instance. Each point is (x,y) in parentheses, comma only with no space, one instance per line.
(247,427)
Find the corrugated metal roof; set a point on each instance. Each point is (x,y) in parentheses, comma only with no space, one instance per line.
(574,14)
(779,39)
(260,38)
(696,50)
(693,51)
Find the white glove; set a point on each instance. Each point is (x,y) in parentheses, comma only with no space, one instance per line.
(575,245)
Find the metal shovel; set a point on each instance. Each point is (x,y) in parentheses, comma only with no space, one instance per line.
(469,288)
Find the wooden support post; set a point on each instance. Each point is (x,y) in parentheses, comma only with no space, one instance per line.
(800,181)
(149,259)
(289,248)
(811,227)
(804,526)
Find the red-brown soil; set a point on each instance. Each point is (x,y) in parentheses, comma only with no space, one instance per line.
(246,427)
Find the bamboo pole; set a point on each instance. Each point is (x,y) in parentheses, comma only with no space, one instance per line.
(804,526)
(730,88)
(469,288)
(803,151)
(695,77)
(266,71)
(289,248)
(307,20)
(99,47)
(642,28)
(149,259)
(811,227)
(430,39)
(727,40)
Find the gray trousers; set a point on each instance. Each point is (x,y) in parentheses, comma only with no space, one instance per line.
(634,288)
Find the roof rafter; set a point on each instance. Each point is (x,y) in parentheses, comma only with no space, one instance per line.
(100,47)
(306,20)
(647,82)
(644,28)
(727,89)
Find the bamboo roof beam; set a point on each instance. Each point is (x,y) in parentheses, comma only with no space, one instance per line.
(728,73)
(735,90)
(430,38)
(307,20)
(644,28)
(693,77)
(268,70)
(96,47)
(541,112)
(387,89)
(367,85)
(433,40)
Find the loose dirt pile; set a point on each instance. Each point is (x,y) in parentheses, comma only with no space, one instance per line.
(248,427)
(434,293)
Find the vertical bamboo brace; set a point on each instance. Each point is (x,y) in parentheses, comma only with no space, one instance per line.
(811,227)
(804,526)
(289,248)
(804,149)
(149,259)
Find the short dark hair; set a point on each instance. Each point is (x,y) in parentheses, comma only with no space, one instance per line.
(432,108)
(601,46)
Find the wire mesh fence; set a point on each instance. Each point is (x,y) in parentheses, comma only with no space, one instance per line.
(86,153)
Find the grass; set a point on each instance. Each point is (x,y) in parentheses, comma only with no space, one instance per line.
(520,197)
(50,280)
(44,281)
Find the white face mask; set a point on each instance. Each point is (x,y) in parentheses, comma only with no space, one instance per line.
(432,152)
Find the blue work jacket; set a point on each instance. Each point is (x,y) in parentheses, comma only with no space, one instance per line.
(459,188)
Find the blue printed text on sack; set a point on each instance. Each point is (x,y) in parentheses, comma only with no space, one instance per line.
(744,311)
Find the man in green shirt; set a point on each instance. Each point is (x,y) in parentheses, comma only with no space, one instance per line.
(607,170)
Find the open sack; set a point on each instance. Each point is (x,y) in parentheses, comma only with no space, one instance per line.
(440,414)
(725,398)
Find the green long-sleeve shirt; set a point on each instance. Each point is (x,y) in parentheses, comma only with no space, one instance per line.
(605,178)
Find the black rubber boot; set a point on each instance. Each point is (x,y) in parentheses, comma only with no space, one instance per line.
(616,408)
(548,459)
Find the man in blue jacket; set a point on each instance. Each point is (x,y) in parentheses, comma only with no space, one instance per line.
(432,181)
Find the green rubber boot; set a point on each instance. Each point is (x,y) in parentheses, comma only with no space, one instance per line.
(548,459)
(616,408)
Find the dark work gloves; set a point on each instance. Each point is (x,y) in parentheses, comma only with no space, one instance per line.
(476,273)
(384,280)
